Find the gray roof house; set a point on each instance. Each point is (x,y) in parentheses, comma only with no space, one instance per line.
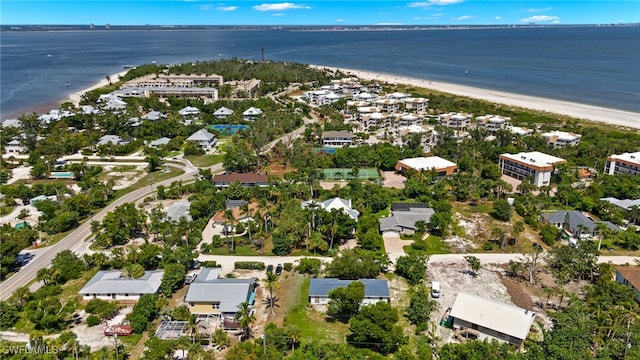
(335,203)
(404,217)
(153,116)
(581,226)
(625,204)
(163,141)
(179,209)
(251,114)
(112,286)
(205,139)
(209,296)
(223,113)
(112,139)
(375,290)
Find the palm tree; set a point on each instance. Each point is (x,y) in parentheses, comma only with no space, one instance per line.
(22,294)
(603,233)
(228,217)
(634,214)
(245,210)
(294,336)
(548,291)
(271,282)
(245,318)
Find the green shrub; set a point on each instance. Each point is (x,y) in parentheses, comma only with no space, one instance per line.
(93,320)
(309,266)
(211,263)
(287,266)
(487,246)
(249,265)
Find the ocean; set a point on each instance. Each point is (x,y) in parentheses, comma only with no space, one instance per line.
(591,65)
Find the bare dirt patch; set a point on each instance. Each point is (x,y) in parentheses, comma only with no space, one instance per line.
(393,180)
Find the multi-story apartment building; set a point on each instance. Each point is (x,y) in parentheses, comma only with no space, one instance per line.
(534,164)
(623,164)
(455,120)
(493,123)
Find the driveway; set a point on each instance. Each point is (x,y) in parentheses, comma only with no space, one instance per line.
(393,245)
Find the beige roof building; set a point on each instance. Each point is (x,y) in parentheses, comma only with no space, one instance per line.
(491,319)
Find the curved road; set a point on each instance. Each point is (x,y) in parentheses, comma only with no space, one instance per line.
(75,239)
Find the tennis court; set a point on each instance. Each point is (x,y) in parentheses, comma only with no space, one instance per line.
(345,174)
(227,129)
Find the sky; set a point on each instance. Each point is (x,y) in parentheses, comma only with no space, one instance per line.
(317,12)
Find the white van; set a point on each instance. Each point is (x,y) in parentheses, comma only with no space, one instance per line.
(435,289)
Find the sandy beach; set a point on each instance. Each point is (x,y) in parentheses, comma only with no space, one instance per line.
(77,96)
(622,118)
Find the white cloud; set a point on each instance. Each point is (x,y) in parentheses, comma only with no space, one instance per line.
(433,2)
(539,10)
(205,7)
(340,20)
(227,8)
(463,18)
(498,17)
(541,18)
(278,14)
(280,7)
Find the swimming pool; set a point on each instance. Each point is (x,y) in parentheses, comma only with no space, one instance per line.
(61,175)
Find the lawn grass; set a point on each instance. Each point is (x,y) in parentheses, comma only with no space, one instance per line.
(312,324)
(204,160)
(433,244)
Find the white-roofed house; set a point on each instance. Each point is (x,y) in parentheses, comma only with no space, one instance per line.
(223,113)
(112,286)
(335,203)
(442,166)
(493,123)
(189,114)
(204,139)
(534,164)
(252,114)
(559,139)
(212,298)
(486,318)
(14,146)
(11,123)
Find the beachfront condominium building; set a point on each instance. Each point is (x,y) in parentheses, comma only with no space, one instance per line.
(493,123)
(175,80)
(623,164)
(536,165)
(559,139)
(416,104)
(455,120)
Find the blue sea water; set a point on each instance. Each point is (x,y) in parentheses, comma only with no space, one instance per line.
(591,65)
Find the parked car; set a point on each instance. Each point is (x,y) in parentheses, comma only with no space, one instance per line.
(435,289)
(269,269)
(279,269)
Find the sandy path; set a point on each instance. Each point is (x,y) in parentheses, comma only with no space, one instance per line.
(575,110)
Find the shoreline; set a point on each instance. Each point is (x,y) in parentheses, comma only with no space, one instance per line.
(627,119)
(75,97)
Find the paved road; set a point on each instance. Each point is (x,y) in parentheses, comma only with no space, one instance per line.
(75,240)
